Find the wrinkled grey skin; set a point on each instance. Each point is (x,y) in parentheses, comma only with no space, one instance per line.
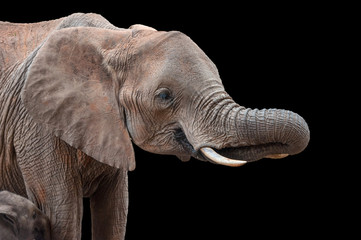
(77,92)
(20,219)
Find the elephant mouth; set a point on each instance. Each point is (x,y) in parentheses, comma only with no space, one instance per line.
(232,156)
(253,152)
(238,156)
(182,140)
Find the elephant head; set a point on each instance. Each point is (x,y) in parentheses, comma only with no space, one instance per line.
(20,219)
(99,90)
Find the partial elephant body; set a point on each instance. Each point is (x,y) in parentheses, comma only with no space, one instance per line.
(75,95)
(20,219)
(38,165)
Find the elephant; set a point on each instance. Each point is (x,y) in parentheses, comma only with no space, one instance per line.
(21,219)
(77,93)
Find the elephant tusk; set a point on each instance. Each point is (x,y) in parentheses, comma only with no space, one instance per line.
(217,158)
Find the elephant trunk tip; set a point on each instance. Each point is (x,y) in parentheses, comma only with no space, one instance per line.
(298,133)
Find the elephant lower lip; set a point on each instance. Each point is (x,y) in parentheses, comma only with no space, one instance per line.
(254,152)
(277,156)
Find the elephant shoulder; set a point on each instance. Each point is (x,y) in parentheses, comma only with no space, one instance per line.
(18,40)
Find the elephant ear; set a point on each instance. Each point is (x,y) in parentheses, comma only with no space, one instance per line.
(70,90)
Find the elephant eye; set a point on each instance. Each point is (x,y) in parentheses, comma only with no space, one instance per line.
(164,94)
(164,97)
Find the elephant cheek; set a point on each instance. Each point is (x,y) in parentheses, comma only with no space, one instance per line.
(137,131)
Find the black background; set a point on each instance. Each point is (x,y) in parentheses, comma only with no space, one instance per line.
(268,56)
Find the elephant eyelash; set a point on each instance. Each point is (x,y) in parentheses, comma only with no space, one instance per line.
(8,219)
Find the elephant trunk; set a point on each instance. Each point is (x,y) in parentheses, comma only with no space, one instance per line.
(256,134)
(284,129)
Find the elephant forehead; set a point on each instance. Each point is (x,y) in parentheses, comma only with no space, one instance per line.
(183,54)
(173,57)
